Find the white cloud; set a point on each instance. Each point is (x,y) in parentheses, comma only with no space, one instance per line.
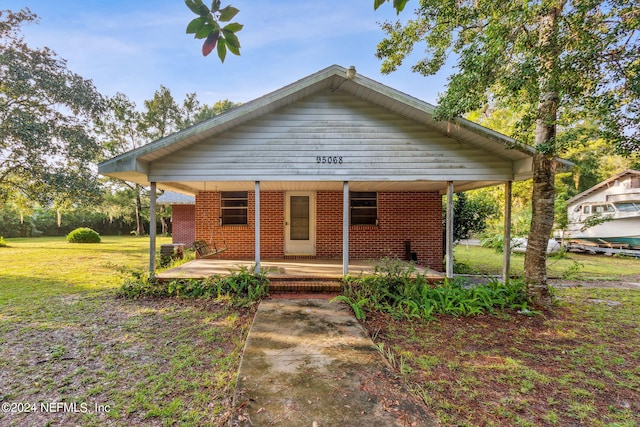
(135,46)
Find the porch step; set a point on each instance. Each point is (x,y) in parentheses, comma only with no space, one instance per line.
(304,285)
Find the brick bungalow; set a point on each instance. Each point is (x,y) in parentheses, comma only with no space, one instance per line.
(333,166)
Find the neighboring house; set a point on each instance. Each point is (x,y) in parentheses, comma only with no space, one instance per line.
(183,216)
(624,186)
(333,166)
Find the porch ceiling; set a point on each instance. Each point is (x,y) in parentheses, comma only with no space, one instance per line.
(193,188)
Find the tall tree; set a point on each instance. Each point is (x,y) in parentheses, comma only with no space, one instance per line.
(122,129)
(162,115)
(46,110)
(193,112)
(560,61)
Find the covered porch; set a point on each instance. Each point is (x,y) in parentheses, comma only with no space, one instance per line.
(282,269)
(286,276)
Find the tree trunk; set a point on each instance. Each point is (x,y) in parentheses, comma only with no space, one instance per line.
(543,195)
(139,220)
(163,220)
(535,261)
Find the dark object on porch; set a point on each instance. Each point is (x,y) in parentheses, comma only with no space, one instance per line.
(171,251)
(205,251)
(408,255)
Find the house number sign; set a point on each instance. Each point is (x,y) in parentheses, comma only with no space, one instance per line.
(329,160)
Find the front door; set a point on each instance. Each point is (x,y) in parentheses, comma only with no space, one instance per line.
(300,223)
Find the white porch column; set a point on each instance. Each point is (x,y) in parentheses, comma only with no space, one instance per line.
(152,232)
(257,225)
(506,260)
(345,228)
(449,231)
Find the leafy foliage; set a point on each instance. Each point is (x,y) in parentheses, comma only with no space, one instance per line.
(592,59)
(123,128)
(45,116)
(241,288)
(396,288)
(208,26)
(83,235)
(471,214)
(560,63)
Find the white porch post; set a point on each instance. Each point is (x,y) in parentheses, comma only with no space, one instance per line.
(506,260)
(257,225)
(152,232)
(449,231)
(345,228)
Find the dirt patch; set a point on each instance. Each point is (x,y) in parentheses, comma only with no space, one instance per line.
(629,282)
(107,361)
(574,365)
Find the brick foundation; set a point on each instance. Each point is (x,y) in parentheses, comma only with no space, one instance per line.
(403,216)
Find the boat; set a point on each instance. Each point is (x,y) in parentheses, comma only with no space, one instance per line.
(519,245)
(607,215)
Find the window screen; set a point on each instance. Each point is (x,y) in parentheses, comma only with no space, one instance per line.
(233,207)
(364,208)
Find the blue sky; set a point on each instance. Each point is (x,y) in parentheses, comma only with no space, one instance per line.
(133,47)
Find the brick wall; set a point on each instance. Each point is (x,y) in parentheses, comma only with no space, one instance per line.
(183,220)
(403,216)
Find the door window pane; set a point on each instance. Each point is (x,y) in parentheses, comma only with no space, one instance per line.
(299,220)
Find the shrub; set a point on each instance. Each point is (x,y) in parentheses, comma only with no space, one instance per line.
(241,289)
(83,235)
(404,293)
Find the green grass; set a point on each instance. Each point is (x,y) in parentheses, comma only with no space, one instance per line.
(573,266)
(65,337)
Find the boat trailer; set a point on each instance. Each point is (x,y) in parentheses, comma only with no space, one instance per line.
(606,250)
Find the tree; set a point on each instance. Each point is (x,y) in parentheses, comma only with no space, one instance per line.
(559,61)
(193,112)
(471,211)
(208,26)
(46,110)
(122,129)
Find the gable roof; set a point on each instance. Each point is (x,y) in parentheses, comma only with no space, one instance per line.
(134,165)
(602,185)
(173,198)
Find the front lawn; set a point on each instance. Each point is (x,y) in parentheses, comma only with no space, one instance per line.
(573,266)
(81,356)
(68,343)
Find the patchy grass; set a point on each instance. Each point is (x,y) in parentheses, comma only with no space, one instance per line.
(578,364)
(574,266)
(65,339)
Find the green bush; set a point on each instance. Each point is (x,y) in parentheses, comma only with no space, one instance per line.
(241,289)
(83,235)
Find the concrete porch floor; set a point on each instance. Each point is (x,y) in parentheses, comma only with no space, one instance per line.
(278,269)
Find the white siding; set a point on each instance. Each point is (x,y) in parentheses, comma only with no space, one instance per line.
(374,145)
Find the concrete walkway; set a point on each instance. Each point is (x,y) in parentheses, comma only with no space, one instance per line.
(308,362)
